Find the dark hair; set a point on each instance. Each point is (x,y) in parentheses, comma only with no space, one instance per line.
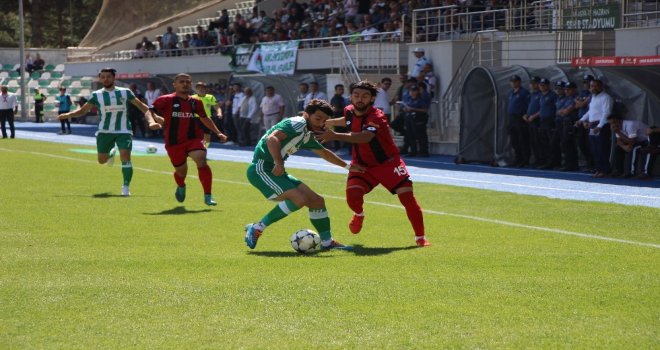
(304,84)
(614,117)
(339,86)
(365,85)
(385,79)
(108,70)
(319,105)
(269,88)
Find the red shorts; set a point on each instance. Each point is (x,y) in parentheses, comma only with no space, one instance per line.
(392,175)
(179,153)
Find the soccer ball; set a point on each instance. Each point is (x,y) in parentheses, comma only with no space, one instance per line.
(152,149)
(306,241)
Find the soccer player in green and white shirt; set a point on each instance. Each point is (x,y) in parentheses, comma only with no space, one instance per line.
(114,126)
(268,175)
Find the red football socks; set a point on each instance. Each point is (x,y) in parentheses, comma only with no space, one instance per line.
(414,212)
(180,181)
(206,178)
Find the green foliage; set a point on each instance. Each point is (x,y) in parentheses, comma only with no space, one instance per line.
(81,267)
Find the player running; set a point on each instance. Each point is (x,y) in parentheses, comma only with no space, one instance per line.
(268,175)
(373,148)
(114,126)
(183,135)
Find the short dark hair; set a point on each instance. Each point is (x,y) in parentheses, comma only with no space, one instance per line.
(365,85)
(385,79)
(614,117)
(270,88)
(319,105)
(339,86)
(108,70)
(303,84)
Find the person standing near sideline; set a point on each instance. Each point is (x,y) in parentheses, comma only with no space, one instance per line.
(39,100)
(180,116)
(272,108)
(8,108)
(114,131)
(517,128)
(268,174)
(64,104)
(595,120)
(210,104)
(374,149)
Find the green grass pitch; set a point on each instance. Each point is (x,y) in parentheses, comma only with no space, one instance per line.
(82,268)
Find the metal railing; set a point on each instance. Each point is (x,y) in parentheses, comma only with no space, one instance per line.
(341,59)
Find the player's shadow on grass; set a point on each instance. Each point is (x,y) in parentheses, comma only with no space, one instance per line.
(361,250)
(106,195)
(278,254)
(179,211)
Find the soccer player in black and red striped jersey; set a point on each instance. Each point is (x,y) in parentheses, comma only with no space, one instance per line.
(181,115)
(373,147)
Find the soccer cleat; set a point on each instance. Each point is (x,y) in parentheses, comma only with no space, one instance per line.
(180,194)
(422,242)
(111,156)
(336,245)
(356,224)
(208,200)
(251,235)
(125,192)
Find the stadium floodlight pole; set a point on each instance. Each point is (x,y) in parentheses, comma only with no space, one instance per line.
(21,60)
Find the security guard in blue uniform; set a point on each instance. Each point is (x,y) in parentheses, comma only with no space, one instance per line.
(546,115)
(531,117)
(517,128)
(569,112)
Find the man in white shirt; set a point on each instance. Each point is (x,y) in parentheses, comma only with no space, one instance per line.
(272,108)
(151,94)
(236,102)
(314,93)
(595,120)
(382,101)
(8,107)
(249,118)
(420,63)
(630,138)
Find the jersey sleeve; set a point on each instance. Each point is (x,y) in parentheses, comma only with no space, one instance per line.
(374,123)
(130,96)
(93,100)
(293,126)
(312,144)
(158,105)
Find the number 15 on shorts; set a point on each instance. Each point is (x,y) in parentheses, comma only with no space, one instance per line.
(401,171)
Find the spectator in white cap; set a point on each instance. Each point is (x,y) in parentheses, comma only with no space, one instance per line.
(421,61)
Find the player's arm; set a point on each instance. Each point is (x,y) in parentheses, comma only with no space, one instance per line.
(209,124)
(273,142)
(218,111)
(336,122)
(86,108)
(364,136)
(332,158)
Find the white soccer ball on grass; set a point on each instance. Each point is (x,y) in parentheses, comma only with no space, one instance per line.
(306,241)
(152,149)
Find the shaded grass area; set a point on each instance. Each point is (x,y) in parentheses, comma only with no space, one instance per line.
(81,267)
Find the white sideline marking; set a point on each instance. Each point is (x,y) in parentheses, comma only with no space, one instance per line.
(435,212)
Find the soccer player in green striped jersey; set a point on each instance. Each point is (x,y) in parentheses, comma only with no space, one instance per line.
(268,175)
(114,126)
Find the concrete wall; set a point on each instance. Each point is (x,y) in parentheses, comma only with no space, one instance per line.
(638,41)
(533,51)
(51,56)
(164,65)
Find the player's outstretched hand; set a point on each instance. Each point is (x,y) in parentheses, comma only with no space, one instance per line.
(357,168)
(324,135)
(155,126)
(63,116)
(222,137)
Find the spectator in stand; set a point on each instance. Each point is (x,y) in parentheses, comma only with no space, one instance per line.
(39,100)
(135,115)
(363,10)
(383,100)
(272,108)
(64,103)
(139,51)
(595,120)
(428,77)
(569,113)
(649,153)
(28,64)
(38,63)
(315,93)
(422,60)
(169,42)
(303,88)
(8,108)
(517,128)
(222,22)
(249,119)
(351,8)
(369,29)
(338,103)
(630,137)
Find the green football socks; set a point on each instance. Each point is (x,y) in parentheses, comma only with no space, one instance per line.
(127,171)
(281,210)
(321,222)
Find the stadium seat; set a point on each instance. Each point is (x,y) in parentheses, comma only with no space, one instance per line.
(85,92)
(49,68)
(59,68)
(75,84)
(75,91)
(54,84)
(35,75)
(66,83)
(52,91)
(33,83)
(45,75)
(4,75)
(7,66)
(14,74)
(44,83)
(13,83)
(56,75)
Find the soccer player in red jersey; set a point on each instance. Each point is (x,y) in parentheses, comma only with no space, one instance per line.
(373,147)
(184,135)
